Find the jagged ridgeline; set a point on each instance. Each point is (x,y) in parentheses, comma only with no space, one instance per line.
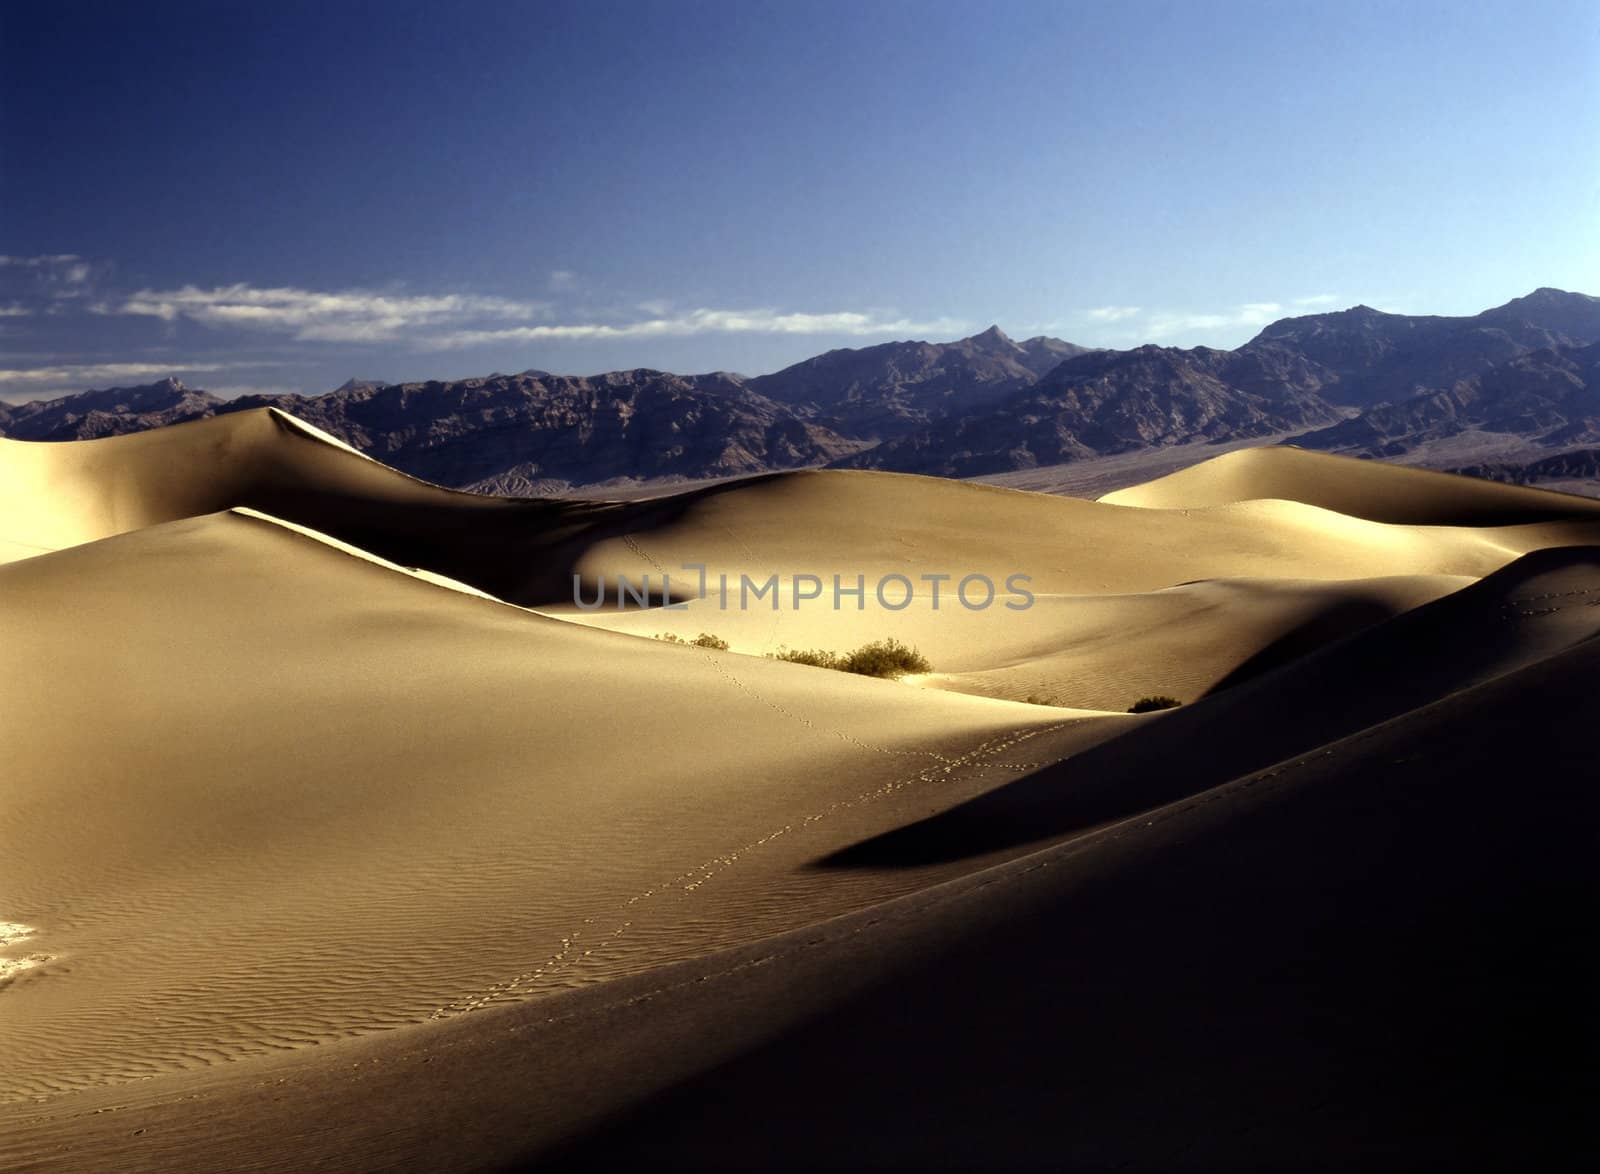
(1524,378)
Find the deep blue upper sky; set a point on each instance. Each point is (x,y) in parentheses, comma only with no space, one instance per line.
(285,195)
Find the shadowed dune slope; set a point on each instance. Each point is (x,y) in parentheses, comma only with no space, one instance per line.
(1538,606)
(58,495)
(1362,489)
(61,494)
(1365,958)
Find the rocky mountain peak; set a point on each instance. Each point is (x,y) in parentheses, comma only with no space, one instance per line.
(993,337)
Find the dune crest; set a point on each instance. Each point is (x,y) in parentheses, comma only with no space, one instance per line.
(1373,490)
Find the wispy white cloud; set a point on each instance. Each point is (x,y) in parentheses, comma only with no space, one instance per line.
(1165,324)
(55,276)
(15,311)
(703,321)
(313,315)
(451,321)
(1113,313)
(77,376)
(562,279)
(38,262)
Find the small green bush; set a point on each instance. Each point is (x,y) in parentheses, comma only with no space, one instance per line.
(1151,704)
(816,657)
(881,658)
(886,658)
(704,640)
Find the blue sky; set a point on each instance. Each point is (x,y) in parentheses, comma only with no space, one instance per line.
(281,196)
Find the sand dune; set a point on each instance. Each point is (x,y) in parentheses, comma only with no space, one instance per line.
(1363,489)
(53,496)
(1086,652)
(1305,960)
(316,848)
(787,522)
(1126,602)
(1309,966)
(336,798)
(60,495)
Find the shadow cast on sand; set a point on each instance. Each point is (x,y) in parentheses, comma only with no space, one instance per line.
(524,551)
(1365,679)
(1337,622)
(1381,961)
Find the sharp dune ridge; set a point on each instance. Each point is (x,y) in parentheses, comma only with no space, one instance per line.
(333,832)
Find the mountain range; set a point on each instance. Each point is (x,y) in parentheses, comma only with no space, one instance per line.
(1524,376)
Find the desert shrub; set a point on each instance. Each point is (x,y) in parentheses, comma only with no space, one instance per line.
(885,658)
(881,658)
(704,640)
(1151,704)
(816,657)
(1036,699)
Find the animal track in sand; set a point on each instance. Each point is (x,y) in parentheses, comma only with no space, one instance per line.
(583,942)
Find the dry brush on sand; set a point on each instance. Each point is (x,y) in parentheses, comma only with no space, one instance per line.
(334,833)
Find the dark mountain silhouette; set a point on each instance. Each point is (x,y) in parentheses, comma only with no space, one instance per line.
(92,414)
(1582,464)
(1372,357)
(1512,364)
(892,389)
(1113,401)
(1551,396)
(1356,381)
(501,433)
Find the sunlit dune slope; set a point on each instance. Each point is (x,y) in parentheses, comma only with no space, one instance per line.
(57,495)
(1124,602)
(262,792)
(1192,595)
(875,524)
(1107,651)
(1083,651)
(1363,489)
